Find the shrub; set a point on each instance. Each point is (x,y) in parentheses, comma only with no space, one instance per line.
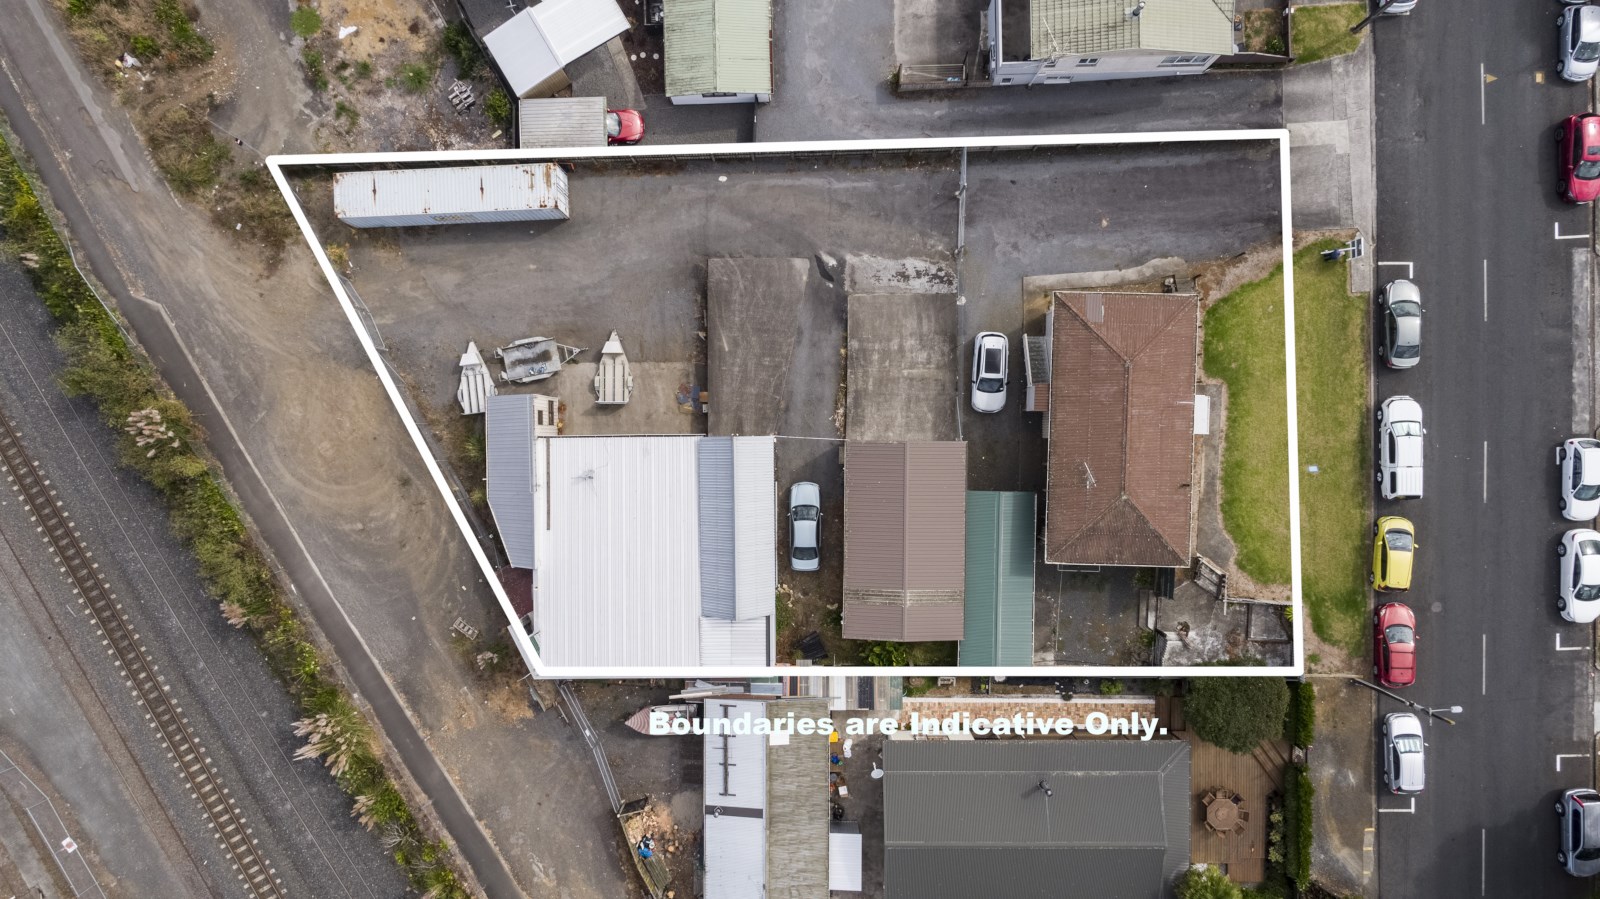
(497,106)
(887,654)
(313,61)
(1300,723)
(144,47)
(1298,825)
(415,77)
(186,151)
(462,48)
(1236,713)
(306,21)
(186,43)
(346,113)
(1111,688)
(1207,882)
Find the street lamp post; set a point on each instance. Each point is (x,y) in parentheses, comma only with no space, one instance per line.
(1356,28)
(1431,713)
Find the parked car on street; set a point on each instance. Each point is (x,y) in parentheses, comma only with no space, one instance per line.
(1402,753)
(624,126)
(1401,304)
(1394,645)
(1579,461)
(1400,8)
(990,368)
(1578,157)
(805,527)
(1400,448)
(1580,42)
(1394,542)
(1579,811)
(1578,557)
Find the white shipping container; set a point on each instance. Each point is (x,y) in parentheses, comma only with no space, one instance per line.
(531,191)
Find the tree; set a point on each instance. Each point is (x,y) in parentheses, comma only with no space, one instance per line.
(1236,713)
(1207,882)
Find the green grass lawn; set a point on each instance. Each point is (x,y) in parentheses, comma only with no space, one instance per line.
(1319,32)
(1332,342)
(1244,348)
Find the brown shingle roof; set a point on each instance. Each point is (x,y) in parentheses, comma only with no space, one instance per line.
(905,507)
(1121,429)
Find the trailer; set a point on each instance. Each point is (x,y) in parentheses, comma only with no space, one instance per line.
(533,359)
(561,122)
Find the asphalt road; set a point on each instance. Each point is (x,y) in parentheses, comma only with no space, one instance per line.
(1466,178)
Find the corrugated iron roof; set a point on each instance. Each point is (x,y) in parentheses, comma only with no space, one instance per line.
(735,833)
(1061,28)
(1121,457)
(904,540)
(717,46)
(797,806)
(561,122)
(508,436)
(998,614)
(969,818)
(738,527)
(728,644)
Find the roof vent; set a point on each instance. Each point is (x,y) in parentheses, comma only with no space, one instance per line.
(1133,13)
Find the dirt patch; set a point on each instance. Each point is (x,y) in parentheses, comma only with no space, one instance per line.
(384,25)
(509,703)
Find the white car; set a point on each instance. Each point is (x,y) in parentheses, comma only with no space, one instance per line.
(1400,8)
(1580,42)
(1579,460)
(805,527)
(1579,571)
(1400,435)
(990,367)
(1402,753)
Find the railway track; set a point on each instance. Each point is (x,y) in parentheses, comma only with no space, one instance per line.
(260,880)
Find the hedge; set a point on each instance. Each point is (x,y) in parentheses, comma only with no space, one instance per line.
(1300,722)
(161,441)
(1298,827)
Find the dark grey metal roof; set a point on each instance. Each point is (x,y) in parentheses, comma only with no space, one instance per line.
(738,527)
(968,818)
(508,435)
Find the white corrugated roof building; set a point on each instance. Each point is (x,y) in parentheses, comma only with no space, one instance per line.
(613,529)
(534,47)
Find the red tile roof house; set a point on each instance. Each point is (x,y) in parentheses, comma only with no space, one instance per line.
(905,551)
(1121,470)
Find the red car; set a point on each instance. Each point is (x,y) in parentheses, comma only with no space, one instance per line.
(1578,155)
(624,126)
(1394,645)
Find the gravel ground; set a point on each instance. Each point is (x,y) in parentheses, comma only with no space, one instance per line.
(238,710)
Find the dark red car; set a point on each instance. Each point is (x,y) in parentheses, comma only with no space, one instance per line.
(1578,146)
(1394,645)
(624,126)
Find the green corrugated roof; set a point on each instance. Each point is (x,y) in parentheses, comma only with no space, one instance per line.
(718,47)
(1086,27)
(998,628)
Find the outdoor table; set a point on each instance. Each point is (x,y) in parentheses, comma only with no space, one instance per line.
(1222,814)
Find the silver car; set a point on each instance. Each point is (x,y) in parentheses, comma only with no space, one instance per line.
(1402,752)
(805,527)
(1579,461)
(1401,303)
(1579,811)
(1580,42)
(990,368)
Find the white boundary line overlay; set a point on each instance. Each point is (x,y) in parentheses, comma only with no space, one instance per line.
(279,163)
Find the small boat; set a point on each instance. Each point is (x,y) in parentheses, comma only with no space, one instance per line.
(640,721)
(613,381)
(533,359)
(476,384)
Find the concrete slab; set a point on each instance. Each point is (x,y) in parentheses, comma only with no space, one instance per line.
(937,32)
(753,325)
(904,367)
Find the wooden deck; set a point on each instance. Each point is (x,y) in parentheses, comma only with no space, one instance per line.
(1254,777)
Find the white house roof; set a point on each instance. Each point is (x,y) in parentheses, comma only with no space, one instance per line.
(735,832)
(537,43)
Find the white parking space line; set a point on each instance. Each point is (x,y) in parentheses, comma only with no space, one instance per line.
(1560,648)
(1485,290)
(1569,755)
(1483,862)
(1411,810)
(1560,236)
(1406,264)
(1483,683)
(1486,470)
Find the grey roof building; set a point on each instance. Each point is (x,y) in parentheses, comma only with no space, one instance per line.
(969,818)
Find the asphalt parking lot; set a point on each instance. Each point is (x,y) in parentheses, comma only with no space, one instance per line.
(734,278)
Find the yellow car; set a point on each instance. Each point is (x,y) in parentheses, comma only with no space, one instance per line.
(1394,542)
